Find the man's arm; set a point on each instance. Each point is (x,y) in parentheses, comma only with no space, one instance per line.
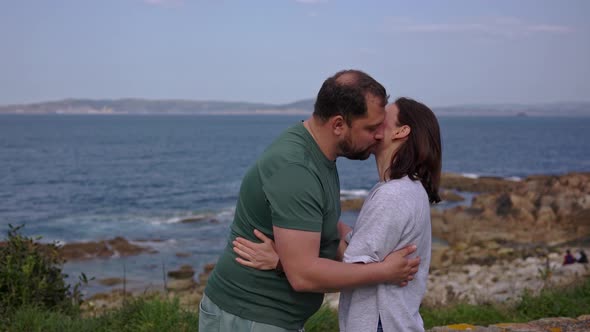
(306,272)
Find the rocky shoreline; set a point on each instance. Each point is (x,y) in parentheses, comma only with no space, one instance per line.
(510,238)
(466,284)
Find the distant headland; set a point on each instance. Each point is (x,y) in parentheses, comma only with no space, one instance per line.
(304,107)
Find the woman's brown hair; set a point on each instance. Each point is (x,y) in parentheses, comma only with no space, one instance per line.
(420,157)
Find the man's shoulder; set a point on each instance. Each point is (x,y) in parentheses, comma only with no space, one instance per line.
(290,150)
(290,138)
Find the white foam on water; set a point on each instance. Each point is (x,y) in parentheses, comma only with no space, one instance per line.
(154,244)
(353,193)
(223,214)
(514,178)
(477,176)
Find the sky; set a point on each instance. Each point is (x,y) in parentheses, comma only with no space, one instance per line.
(279,51)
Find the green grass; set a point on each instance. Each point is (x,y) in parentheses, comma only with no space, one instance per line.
(139,315)
(160,315)
(464,313)
(326,319)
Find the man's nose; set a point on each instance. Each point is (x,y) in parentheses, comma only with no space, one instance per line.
(379,133)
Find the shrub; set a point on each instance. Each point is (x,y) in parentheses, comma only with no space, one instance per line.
(31,275)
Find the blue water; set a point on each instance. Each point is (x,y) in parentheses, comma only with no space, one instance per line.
(80,178)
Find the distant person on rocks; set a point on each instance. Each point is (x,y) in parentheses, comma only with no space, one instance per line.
(583,258)
(568,258)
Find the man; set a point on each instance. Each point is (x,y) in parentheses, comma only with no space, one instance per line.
(292,194)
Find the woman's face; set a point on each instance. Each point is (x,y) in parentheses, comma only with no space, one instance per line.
(390,126)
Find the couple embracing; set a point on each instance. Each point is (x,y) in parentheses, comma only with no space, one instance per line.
(287,246)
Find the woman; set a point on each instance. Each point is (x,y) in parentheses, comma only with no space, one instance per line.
(395,214)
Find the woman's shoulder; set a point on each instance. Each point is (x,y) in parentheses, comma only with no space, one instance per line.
(402,186)
(404,192)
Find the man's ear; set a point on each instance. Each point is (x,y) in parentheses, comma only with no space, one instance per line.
(402,132)
(338,125)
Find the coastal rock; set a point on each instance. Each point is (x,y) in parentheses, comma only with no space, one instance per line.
(481,184)
(110,281)
(538,210)
(440,228)
(200,218)
(438,256)
(503,205)
(581,217)
(332,300)
(552,324)
(190,299)
(584,201)
(546,216)
(354,204)
(102,249)
(185,272)
(523,215)
(180,284)
(504,278)
(451,196)
(546,200)
(522,203)
(103,302)
(485,201)
(187,291)
(208,268)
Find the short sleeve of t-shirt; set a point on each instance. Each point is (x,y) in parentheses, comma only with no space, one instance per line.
(295,197)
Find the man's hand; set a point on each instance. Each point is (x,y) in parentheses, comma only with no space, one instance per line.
(343,229)
(261,256)
(399,268)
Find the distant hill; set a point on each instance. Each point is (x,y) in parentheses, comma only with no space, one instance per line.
(305,106)
(145,106)
(547,109)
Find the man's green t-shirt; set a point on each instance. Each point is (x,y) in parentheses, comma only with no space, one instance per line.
(292,185)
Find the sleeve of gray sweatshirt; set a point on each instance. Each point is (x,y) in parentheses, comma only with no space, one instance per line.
(379,228)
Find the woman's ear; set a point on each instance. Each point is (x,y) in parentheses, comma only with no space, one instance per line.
(402,132)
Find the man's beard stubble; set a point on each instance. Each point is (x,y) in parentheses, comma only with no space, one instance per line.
(348,151)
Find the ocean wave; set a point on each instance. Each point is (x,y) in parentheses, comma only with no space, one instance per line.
(154,243)
(477,176)
(223,215)
(514,178)
(353,193)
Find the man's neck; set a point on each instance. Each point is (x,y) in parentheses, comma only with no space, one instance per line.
(322,136)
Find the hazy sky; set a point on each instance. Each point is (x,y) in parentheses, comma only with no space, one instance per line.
(278,51)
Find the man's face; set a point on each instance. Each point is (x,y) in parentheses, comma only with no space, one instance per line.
(364,133)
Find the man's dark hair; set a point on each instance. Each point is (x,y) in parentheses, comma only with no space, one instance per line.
(345,94)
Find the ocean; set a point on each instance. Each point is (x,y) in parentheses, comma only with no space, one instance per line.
(72,178)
